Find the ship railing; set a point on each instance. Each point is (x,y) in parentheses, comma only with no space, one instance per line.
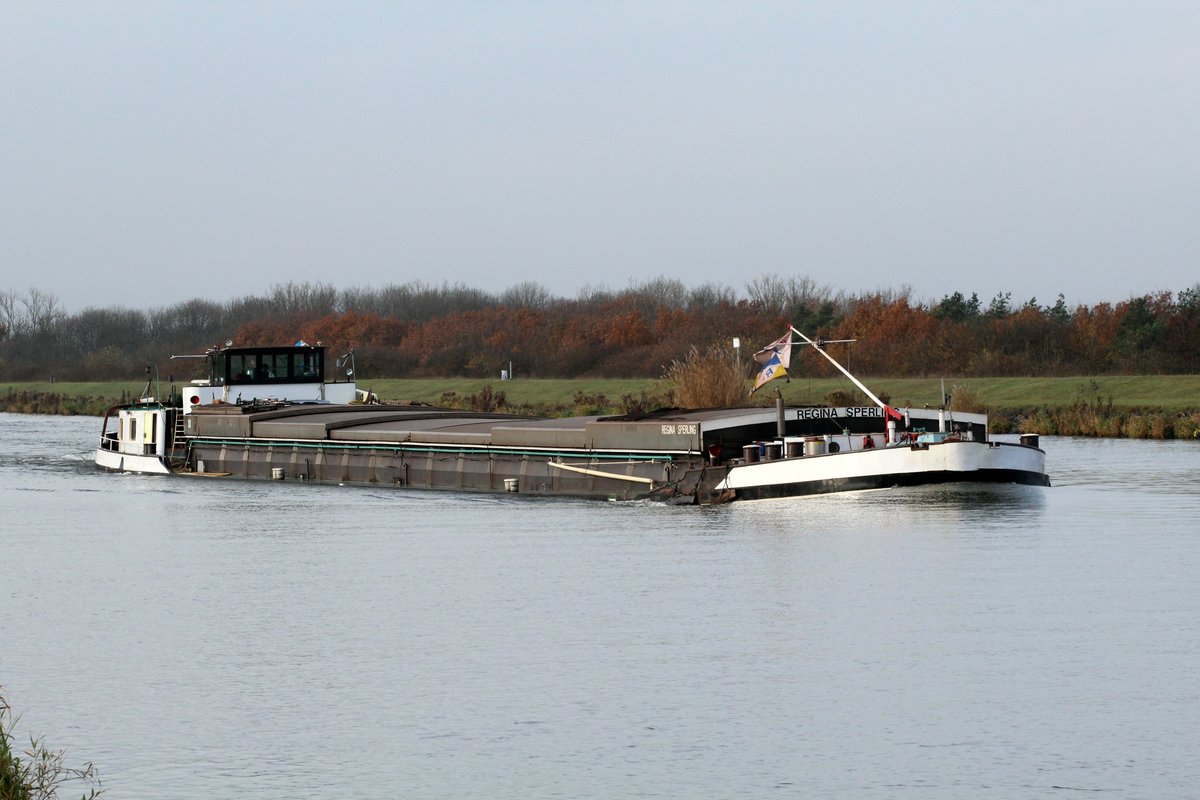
(108,439)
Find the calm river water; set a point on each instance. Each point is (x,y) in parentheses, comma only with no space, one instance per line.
(220,639)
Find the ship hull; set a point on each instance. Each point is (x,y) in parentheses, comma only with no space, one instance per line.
(905,465)
(126,462)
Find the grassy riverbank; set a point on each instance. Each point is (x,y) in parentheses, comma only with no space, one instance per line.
(1163,392)
(1154,406)
(66,399)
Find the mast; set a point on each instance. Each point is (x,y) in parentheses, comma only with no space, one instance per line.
(843,370)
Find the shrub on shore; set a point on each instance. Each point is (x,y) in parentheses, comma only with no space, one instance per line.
(965,398)
(709,379)
(1187,426)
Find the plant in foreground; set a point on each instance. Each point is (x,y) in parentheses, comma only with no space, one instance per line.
(39,772)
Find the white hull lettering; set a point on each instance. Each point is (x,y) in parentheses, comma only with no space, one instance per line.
(853,412)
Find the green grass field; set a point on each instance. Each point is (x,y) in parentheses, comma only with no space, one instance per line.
(1170,393)
(1164,392)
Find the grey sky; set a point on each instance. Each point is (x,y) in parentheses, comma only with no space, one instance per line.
(151,152)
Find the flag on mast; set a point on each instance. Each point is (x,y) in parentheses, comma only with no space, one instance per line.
(775,359)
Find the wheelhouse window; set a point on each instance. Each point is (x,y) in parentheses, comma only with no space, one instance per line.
(270,365)
(274,366)
(307,364)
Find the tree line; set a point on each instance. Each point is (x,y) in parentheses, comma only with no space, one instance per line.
(424,330)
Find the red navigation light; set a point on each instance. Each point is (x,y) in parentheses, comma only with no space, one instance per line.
(195,399)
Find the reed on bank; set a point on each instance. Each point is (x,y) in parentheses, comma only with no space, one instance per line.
(39,772)
(1099,422)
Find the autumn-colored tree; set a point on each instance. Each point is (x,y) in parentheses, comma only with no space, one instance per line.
(429,330)
(895,337)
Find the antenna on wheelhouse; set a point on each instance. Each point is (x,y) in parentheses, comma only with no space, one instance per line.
(151,381)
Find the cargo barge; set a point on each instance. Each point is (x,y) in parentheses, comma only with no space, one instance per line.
(270,414)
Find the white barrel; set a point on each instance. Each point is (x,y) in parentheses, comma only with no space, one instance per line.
(277,473)
(512,484)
